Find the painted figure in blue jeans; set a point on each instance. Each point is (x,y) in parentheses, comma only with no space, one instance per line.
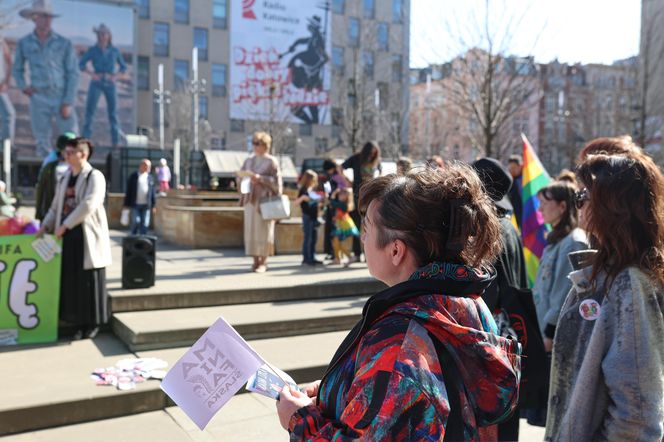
(53,76)
(7,113)
(309,205)
(140,198)
(104,57)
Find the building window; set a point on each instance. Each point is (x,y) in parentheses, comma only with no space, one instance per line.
(397,68)
(383,37)
(220,14)
(397,11)
(338,59)
(305,129)
(160,39)
(368,8)
(321,144)
(368,63)
(143,73)
(353,32)
(202,107)
(218,80)
(338,6)
(143,7)
(383,95)
(218,143)
(201,42)
(180,74)
(181,12)
(237,125)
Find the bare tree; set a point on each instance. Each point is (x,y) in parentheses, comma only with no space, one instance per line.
(354,105)
(278,123)
(486,85)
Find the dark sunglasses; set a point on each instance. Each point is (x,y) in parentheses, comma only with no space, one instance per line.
(580,198)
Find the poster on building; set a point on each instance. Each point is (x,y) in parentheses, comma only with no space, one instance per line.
(29,289)
(280,61)
(66,65)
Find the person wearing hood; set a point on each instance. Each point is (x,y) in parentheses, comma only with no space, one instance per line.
(510,266)
(424,362)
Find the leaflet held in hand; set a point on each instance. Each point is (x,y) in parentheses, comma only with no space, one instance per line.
(214,369)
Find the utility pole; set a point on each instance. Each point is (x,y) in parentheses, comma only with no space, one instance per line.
(162,97)
(196,88)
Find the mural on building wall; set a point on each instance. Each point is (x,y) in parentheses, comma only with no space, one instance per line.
(280,61)
(66,66)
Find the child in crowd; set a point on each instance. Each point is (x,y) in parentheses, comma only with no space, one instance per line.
(164,175)
(309,201)
(344,227)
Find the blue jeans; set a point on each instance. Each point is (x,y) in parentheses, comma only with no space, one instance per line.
(43,109)
(97,88)
(310,236)
(140,219)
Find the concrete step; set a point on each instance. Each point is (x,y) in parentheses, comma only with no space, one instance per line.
(154,329)
(171,296)
(49,386)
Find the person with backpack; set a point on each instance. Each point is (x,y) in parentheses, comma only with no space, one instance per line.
(424,362)
(77,216)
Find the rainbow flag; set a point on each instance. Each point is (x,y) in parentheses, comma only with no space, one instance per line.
(533,229)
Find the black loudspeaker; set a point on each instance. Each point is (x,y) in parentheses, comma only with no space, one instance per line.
(138,261)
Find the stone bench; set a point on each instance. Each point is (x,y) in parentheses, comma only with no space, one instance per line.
(288,237)
(201,227)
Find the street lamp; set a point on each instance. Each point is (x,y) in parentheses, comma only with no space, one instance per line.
(196,87)
(161,97)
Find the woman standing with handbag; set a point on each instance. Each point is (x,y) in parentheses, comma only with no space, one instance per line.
(77,216)
(262,171)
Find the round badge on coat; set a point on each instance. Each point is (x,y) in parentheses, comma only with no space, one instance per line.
(589,309)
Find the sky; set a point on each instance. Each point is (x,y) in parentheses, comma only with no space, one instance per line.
(585,31)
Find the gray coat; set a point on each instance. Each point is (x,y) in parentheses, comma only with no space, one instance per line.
(607,374)
(552,285)
(89,211)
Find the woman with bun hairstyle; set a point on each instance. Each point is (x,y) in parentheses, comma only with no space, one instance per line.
(424,362)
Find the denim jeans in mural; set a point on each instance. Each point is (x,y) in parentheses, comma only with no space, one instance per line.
(106,87)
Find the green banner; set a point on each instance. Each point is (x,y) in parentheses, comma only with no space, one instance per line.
(29,289)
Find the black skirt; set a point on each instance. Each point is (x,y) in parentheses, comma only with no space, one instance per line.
(83,296)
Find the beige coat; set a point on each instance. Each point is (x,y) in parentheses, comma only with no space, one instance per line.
(89,211)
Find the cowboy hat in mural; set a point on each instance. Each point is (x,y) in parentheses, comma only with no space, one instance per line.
(102,29)
(38,7)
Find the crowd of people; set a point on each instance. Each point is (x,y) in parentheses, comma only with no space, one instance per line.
(435,355)
(438,354)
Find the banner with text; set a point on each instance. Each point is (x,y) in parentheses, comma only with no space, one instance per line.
(280,61)
(29,289)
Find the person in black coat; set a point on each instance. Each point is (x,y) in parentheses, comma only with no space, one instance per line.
(364,164)
(140,198)
(511,265)
(515,167)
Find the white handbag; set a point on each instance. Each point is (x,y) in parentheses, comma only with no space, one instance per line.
(124,217)
(275,207)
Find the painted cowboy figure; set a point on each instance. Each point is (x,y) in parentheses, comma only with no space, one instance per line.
(108,66)
(53,75)
(305,67)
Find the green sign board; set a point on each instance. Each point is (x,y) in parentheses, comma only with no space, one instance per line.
(29,289)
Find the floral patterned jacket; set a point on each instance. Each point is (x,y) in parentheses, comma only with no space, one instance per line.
(386,381)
